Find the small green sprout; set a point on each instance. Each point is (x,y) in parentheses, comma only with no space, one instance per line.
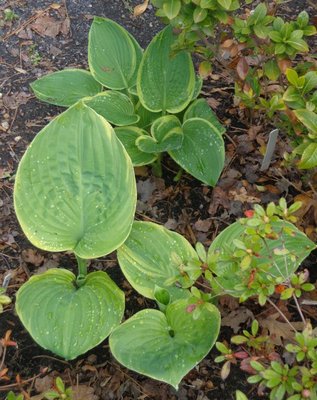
(59,392)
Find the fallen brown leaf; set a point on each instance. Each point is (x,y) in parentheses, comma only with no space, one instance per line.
(141,8)
(277,330)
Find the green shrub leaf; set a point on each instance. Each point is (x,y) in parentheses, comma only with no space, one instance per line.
(229,273)
(65,319)
(309,157)
(202,153)
(151,255)
(65,88)
(165,346)
(75,186)
(113,54)
(116,107)
(166,81)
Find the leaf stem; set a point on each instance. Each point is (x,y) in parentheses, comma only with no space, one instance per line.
(82,270)
(157,166)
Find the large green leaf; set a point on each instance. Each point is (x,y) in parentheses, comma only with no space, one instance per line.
(201,109)
(65,88)
(166,346)
(152,255)
(229,273)
(202,153)
(166,81)
(128,136)
(113,54)
(116,107)
(65,319)
(75,187)
(166,135)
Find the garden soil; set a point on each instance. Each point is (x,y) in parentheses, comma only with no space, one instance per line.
(46,37)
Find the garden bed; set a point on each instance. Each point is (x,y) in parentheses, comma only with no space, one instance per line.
(44,38)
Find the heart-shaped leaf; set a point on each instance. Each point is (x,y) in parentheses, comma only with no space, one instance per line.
(113,54)
(152,255)
(146,117)
(166,346)
(116,107)
(65,88)
(202,153)
(201,109)
(166,135)
(65,319)
(75,186)
(128,136)
(229,273)
(166,81)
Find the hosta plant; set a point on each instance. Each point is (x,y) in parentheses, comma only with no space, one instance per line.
(75,191)
(150,97)
(248,259)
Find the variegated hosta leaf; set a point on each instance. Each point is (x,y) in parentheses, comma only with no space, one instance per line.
(166,346)
(146,117)
(166,81)
(116,107)
(153,255)
(128,136)
(202,153)
(229,273)
(198,86)
(65,319)
(75,186)
(65,88)
(166,135)
(201,109)
(113,54)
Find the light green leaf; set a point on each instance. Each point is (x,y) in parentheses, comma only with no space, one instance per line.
(310,81)
(226,4)
(128,136)
(298,44)
(165,347)
(171,8)
(240,395)
(146,117)
(65,319)
(272,70)
(113,54)
(65,88)
(258,15)
(147,258)
(202,153)
(114,106)
(166,81)
(201,109)
(308,118)
(166,135)
(75,186)
(229,273)
(199,14)
(309,157)
(292,76)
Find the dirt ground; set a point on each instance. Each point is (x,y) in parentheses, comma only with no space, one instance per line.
(43,39)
